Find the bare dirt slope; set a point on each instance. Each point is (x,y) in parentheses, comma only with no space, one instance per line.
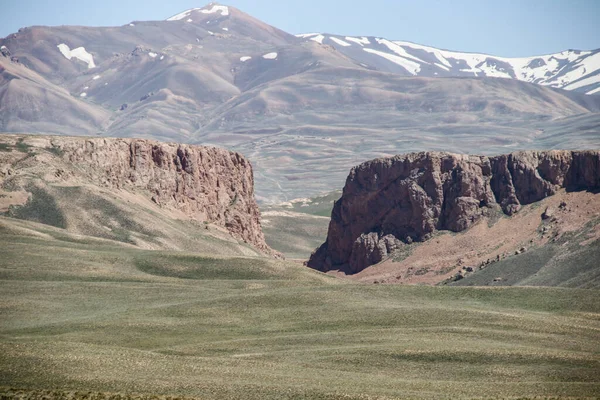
(30,103)
(525,249)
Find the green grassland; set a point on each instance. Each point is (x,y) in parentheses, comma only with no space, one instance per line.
(320,205)
(94,318)
(298,227)
(295,235)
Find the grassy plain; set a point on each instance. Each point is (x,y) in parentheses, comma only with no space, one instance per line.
(94,318)
(296,228)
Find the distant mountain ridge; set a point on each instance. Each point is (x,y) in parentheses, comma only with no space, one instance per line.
(577,70)
(303,112)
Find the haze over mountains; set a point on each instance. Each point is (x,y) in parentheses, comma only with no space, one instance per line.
(302,109)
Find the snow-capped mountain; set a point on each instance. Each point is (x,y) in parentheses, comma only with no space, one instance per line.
(570,70)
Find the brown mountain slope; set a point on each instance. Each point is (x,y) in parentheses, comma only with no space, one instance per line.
(312,127)
(29,103)
(36,46)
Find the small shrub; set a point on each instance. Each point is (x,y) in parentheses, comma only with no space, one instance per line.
(22,146)
(57,151)
(41,207)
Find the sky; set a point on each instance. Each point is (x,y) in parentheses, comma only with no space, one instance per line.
(508,28)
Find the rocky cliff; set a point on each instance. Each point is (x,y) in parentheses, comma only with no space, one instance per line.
(205,183)
(408,197)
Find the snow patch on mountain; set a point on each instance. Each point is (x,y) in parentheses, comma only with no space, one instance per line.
(584,82)
(306,35)
(550,70)
(318,38)
(245,58)
(270,56)
(362,41)
(398,50)
(490,69)
(584,67)
(79,53)
(408,65)
(182,15)
(437,53)
(224,10)
(340,42)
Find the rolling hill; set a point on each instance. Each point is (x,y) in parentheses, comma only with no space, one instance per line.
(88,318)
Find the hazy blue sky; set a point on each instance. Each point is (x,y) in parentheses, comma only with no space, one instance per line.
(506,28)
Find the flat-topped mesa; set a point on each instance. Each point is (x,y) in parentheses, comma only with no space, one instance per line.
(408,197)
(205,183)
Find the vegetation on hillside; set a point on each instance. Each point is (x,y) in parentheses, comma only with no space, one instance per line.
(93,318)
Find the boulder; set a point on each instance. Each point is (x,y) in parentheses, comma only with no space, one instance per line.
(548,213)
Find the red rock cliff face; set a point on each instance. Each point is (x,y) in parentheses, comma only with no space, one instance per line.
(205,183)
(408,197)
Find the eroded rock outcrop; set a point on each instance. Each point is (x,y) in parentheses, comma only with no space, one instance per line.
(408,197)
(205,183)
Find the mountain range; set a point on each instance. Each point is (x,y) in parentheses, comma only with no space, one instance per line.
(575,70)
(303,109)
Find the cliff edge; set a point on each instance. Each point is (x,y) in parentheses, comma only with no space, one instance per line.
(406,198)
(204,184)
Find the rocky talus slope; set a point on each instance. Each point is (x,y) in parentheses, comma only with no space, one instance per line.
(206,184)
(407,198)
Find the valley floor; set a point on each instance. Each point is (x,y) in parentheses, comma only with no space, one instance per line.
(82,315)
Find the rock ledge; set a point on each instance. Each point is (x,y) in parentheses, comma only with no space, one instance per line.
(408,197)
